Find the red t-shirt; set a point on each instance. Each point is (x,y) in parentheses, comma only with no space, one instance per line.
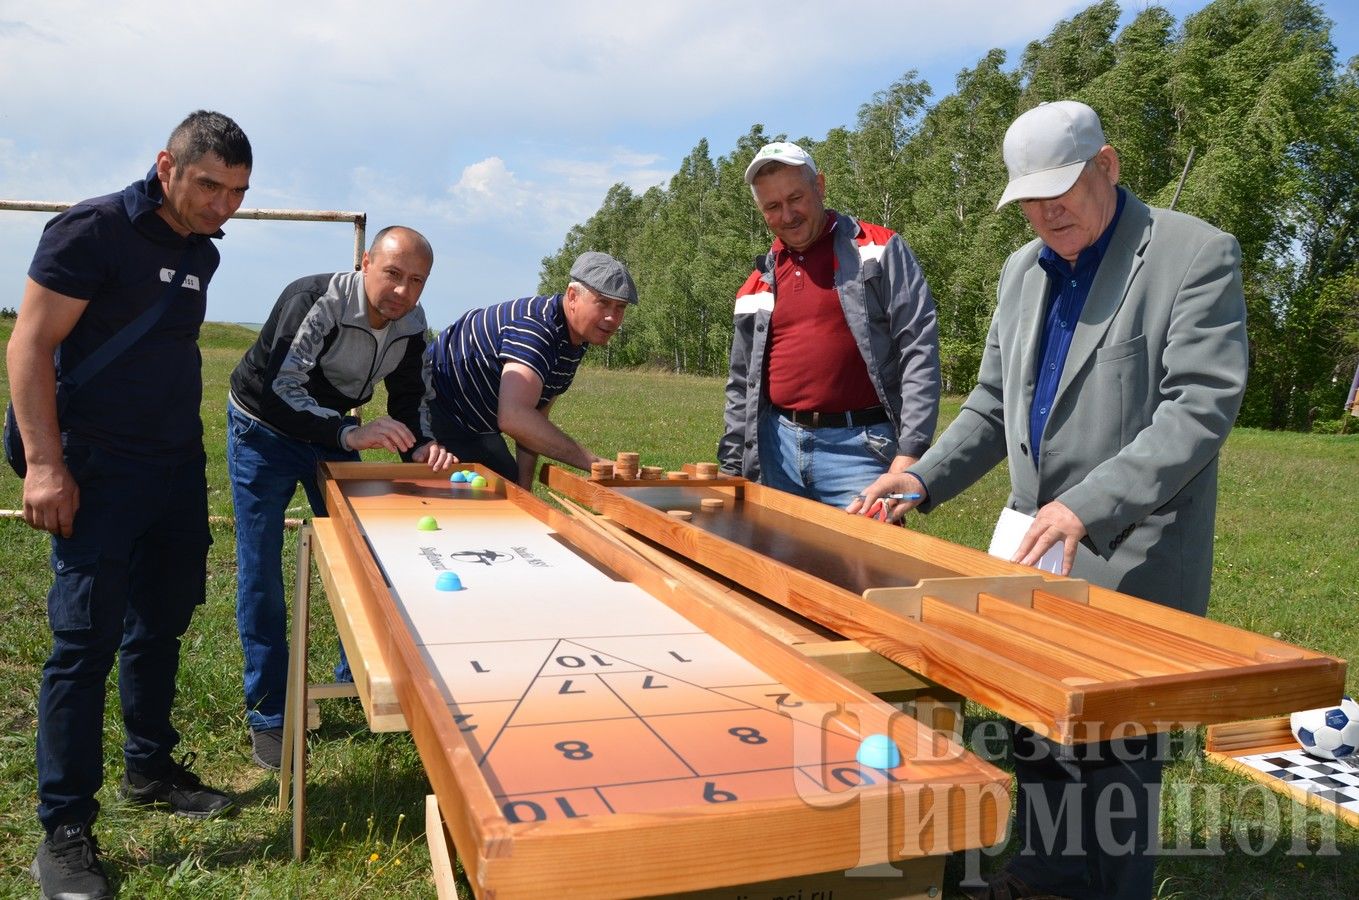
(814,363)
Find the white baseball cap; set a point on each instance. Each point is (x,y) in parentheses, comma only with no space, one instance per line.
(785,152)
(1047,147)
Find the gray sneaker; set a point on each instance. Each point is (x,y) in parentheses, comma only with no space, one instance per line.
(266,747)
(67,866)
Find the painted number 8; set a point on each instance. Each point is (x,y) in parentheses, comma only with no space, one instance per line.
(748,735)
(573,749)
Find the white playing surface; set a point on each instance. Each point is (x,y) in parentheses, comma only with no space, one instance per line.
(581,694)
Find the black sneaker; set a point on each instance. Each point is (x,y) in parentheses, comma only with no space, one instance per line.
(67,866)
(266,747)
(179,789)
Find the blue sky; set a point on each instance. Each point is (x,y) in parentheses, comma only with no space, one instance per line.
(490,126)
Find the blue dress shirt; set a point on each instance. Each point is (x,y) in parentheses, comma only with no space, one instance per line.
(1068,287)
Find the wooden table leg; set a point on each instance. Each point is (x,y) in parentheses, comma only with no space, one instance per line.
(941,709)
(293,765)
(441,851)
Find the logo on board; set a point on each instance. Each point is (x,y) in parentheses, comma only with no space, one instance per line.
(440,561)
(481,557)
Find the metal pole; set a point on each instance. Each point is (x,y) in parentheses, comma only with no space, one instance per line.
(360,239)
(294,215)
(359,219)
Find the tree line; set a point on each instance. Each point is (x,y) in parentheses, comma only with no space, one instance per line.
(1240,115)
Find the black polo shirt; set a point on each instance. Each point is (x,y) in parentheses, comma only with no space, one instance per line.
(116,253)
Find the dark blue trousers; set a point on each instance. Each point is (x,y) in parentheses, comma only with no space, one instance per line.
(1087,816)
(125,584)
(491,450)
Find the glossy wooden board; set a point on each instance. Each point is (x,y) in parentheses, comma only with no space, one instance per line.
(588,724)
(1069,660)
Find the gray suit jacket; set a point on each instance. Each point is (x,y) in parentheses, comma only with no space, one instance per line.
(1151,386)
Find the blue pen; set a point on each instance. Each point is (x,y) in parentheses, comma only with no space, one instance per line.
(891,497)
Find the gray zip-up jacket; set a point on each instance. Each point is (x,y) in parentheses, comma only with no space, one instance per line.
(317,357)
(891,314)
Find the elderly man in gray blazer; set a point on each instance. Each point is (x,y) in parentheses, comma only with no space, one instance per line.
(1113,371)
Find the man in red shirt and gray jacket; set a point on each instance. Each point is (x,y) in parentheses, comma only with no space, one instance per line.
(838,381)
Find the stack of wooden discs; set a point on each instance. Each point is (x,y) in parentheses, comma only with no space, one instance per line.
(705,470)
(677,476)
(601,470)
(625,466)
(652,472)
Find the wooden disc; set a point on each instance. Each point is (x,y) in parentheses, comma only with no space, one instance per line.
(712,503)
(680,513)
(677,476)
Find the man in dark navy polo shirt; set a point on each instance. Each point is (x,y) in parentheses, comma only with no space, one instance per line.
(119,480)
(497,370)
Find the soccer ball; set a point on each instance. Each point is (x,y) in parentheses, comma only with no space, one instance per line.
(1331,732)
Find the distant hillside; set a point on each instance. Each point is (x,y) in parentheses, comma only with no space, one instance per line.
(227,335)
(213,334)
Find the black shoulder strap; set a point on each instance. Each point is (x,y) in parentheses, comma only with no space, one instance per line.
(131,332)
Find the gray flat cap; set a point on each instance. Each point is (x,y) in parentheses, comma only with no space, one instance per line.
(604,275)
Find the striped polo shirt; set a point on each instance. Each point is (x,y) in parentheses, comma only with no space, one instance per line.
(467,357)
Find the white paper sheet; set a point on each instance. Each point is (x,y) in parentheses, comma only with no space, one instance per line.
(1010,530)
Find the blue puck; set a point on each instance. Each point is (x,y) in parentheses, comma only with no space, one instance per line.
(878,752)
(448,581)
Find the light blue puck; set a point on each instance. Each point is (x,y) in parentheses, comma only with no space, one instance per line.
(878,752)
(457,477)
(448,581)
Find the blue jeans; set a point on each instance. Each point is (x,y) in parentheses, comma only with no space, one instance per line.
(265,469)
(126,583)
(826,464)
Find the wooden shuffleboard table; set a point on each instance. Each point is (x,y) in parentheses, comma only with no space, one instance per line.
(593,728)
(1070,660)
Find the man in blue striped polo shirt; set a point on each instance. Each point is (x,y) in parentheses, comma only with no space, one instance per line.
(497,370)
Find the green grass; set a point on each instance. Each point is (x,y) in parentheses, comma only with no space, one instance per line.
(1286,554)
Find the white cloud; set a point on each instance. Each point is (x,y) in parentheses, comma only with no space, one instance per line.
(487,188)
(518,66)
(554,194)
(493,124)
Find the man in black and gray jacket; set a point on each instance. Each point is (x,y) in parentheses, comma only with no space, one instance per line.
(329,340)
